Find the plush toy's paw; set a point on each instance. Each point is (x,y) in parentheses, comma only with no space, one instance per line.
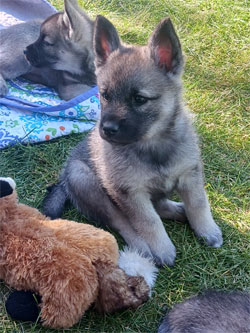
(23,305)
(7,186)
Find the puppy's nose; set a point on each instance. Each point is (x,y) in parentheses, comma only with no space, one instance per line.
(110,128)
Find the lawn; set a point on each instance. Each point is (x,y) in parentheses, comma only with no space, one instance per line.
(215,39)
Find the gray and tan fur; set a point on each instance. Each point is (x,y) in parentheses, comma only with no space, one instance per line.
(58,52)
(142,149)
(212,312)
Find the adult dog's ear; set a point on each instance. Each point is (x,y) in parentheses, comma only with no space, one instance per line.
(165,47)
(75,20)
(106,40)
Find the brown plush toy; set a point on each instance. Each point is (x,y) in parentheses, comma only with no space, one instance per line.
(70,265)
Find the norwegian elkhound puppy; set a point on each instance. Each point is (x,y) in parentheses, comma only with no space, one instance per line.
(212,312)
(60,55)
(142,149)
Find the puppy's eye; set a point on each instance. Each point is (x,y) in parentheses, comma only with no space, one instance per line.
(140,100)
(105,96)
(46,43)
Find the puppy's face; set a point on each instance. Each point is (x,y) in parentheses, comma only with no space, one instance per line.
(60,46)
(138,85)
(46,51)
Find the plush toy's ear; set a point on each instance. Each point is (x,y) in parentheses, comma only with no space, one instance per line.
(23,305)
(7,186)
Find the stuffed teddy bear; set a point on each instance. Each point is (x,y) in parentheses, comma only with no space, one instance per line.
(69,265)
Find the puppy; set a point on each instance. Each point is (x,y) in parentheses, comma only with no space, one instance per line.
(143,147)
(58,52)
(212,312)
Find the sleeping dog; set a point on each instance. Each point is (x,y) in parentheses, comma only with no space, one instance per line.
(56,52)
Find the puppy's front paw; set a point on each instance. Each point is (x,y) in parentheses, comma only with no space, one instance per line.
(164,254)
(213,238)
(3,88)
(141,246)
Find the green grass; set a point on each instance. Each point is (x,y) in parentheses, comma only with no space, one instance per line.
(215,39)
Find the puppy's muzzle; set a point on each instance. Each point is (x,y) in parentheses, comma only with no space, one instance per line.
(31,55)
(117,130)
(110,128)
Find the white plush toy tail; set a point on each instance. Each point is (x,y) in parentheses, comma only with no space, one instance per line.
(135,264)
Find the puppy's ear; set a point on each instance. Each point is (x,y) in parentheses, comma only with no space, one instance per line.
(165,47)
(106,40)
(75,20)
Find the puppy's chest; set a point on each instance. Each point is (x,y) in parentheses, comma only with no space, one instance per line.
(127,174)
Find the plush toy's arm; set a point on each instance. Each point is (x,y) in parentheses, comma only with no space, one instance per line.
(95,243)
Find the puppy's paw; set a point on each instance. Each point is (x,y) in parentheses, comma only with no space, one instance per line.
(181,213)
(165,254)
(3,87)
(141,246)
(213,238)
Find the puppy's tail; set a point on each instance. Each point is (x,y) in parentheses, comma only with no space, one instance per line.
(54,201)
(136,264)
